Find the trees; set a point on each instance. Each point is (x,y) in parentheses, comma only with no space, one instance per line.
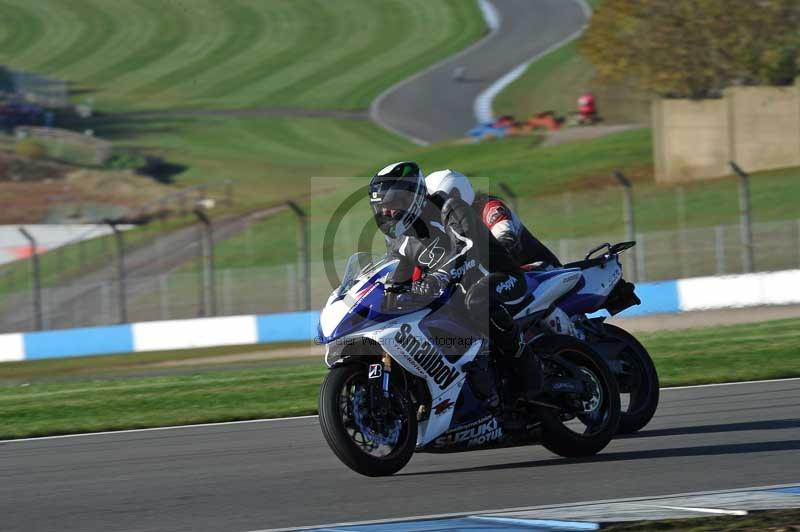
(694,48)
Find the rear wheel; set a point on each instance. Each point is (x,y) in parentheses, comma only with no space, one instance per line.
(637,380)
(371,441)
(586,425)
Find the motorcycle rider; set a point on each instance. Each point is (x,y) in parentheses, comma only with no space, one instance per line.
(504,223)
(443,237)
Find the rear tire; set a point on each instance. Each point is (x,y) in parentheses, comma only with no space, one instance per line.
(644,401)
(559,438)
(332,420)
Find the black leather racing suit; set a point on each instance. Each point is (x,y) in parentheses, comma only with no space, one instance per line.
(509,230)
(452,246)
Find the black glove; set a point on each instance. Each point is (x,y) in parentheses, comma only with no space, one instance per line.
(396,288)
(430,285)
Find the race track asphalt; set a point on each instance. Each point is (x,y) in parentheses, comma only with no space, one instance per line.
(433,106)
(242,477)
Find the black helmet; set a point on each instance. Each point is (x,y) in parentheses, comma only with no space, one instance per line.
(397,195)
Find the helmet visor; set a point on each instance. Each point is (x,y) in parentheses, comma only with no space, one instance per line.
(397,207)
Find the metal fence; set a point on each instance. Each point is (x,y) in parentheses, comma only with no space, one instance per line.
(181,294)
(175,295)
(695,252)
(205,270)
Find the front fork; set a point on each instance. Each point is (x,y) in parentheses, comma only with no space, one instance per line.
(379,377)
(387,372)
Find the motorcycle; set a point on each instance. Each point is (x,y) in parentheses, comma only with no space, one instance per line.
(604,288)
(409,376)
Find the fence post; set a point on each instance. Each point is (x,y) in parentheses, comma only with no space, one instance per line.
(105,301)
(163,292)
(208,285)
(798,241)
(719,247)
(563,249)
(630,229)
(680,209)
(248,235)
(639,252)
(744,213)
(37,279)
(511,196)
(121,291)
(229,192)
(227,292)
(305,258)
(569,213)
(291,282)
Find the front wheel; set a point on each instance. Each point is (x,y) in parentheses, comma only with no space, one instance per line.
(588,423)
(371,441)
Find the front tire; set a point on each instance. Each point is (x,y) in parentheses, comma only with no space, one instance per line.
(342,417)
(562,433)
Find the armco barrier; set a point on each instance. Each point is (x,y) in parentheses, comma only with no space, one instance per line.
(702,293)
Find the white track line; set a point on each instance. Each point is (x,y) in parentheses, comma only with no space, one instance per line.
(269,420)
(717,511)
(500,511)
(152,429)
(735,383)
(482,107)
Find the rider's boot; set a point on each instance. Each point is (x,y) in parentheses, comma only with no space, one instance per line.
(526,368)
(529,367)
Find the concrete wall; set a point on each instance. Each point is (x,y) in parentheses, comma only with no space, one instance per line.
(758,127)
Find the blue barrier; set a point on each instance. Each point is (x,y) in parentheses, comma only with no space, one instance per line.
(287,326)
(657,298)
(78,342)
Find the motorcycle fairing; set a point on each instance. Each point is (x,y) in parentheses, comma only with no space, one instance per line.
(547,287)
(598,282)
(410,347)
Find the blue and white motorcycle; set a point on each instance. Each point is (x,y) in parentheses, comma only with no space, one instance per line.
(407,375)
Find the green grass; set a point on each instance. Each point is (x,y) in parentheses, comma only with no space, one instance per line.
(269,159)
(122,365)
(753,351)
(285,389)
(755,521)
(233,53)
(127,391)
(541,176)
(237,54)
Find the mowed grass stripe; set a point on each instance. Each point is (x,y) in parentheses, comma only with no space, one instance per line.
(347,27)
(134,25)
(97,27)
(20,28)
(168,29)
(58,30)
(214,53)
(243,27)
(349,49)
(206,30)
(440,28)
(295,33)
